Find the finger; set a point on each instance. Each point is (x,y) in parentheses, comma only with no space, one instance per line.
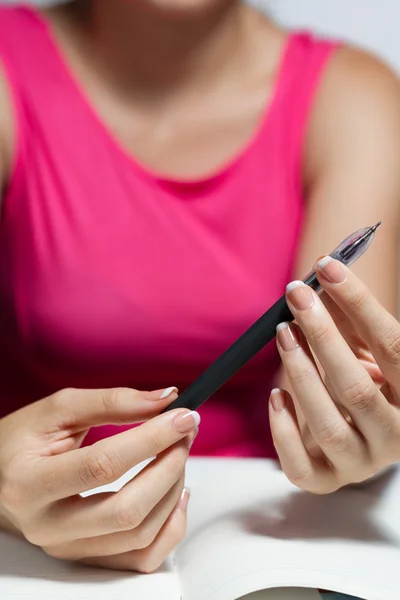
(337,439)
(350,382)
(102,514)
(136,538)
(346,328)
(77,410)
(304,471)
(353,339)
(379,329)
(106,461)
(150,559)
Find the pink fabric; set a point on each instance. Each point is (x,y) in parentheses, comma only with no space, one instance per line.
(113,276)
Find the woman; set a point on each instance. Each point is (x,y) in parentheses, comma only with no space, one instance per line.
(166,167)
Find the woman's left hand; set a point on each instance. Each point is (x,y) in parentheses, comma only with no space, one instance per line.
(352,410)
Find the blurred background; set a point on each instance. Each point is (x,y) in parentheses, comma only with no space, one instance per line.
(373,24)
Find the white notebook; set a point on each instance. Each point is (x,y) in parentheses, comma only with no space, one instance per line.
(249,530)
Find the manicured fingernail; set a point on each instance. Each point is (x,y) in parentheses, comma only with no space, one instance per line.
(332,270)
(184,501)
(187,422)
(287,337)
(300,295)
(168,392)
(278,400)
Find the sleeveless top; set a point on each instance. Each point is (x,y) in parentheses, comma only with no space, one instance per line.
(111,275)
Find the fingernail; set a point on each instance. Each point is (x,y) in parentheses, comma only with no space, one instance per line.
(187,422)
(332,270)
(278,400)
(287,337)
(168,392)
(300,295)
(184,500)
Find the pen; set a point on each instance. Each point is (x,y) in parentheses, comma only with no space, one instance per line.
(263,331)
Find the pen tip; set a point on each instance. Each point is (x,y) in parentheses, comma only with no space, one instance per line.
(375,227)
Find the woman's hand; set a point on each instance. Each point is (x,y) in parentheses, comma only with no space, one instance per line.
(43,470)
(352,411)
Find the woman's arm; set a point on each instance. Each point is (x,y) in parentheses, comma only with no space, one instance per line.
(352,171)
(352,180)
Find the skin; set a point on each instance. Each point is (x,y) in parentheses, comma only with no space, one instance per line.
(43,471)
(354,422)
(162,75)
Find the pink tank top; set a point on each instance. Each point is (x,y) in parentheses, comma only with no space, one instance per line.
(113,276)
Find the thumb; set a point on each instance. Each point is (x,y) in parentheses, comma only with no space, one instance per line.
(78,410)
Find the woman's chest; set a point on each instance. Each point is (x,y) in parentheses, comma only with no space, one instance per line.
(142,278)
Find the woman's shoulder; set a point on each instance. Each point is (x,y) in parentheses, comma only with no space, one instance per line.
(357,106)
(357,74)
(351,71)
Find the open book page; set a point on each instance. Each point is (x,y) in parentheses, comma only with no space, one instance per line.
(26,573)
(250,529)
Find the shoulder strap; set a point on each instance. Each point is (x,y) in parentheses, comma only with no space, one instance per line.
(302,73)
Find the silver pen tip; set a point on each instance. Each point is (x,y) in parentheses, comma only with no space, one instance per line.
(375,227)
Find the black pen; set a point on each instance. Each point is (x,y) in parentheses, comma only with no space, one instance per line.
(263,331)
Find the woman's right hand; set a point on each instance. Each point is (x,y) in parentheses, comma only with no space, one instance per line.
(43,471)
